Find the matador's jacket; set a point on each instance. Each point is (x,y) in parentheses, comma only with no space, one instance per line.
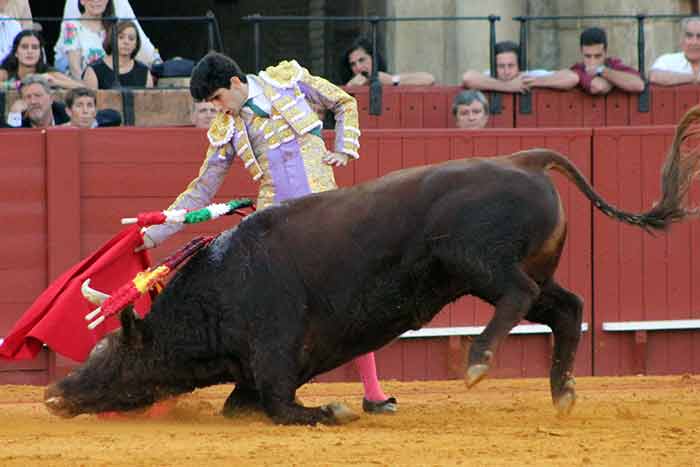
(282,150)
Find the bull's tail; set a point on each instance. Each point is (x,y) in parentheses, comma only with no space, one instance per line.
(682,165)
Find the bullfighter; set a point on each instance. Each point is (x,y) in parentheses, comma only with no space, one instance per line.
(267,120)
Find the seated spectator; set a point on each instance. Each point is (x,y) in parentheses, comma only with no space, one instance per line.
(27,58)
(470,110)
(509,78)
(36,107)
(203,113)
(356,67)
(147,54)
(18,9)
(100,75)
(681,67)
(81,107)
(9,28)
(598,73)
(81,42)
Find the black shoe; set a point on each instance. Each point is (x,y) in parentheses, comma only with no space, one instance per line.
(387,406)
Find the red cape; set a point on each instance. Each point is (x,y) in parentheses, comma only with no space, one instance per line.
(57,317)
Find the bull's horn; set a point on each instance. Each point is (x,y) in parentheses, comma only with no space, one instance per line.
(91,295)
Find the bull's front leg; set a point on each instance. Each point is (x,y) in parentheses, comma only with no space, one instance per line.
(276,380)
(519,293)
(243,398)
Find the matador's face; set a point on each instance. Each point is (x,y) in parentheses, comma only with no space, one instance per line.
(231,100)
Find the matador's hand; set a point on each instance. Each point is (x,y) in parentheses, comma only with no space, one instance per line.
(337,159)
(147,244)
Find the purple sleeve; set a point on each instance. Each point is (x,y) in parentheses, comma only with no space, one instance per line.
(199,192)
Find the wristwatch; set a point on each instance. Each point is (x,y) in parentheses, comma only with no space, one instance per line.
(599,70)
(395,79)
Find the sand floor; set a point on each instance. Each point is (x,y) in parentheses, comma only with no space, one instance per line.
(645,421)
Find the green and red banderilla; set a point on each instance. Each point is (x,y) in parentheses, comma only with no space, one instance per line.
(152,277)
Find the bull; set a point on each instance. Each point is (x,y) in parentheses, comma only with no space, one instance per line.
(300,288)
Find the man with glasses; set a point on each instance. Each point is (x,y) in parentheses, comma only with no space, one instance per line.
(680,67)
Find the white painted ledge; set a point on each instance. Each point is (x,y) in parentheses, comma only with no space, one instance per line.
(661,325)
(476,330)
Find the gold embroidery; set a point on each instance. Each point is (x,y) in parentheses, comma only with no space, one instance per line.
(245,150)
(221,129)
(284,75)
(319,174)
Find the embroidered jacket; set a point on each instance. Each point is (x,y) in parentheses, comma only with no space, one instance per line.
(282,151)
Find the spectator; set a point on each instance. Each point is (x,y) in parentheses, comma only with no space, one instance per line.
(100,75)
(598,73)
(9,28)
(81,42)
(681,67)
(18,9)
(509,78)
(203,113)
(470,110)
(147,54)
(81,106)
(27,58)
(36,108)
(357,62)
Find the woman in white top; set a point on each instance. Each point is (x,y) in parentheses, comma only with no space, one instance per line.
(122,9)
(9,28)
(17,9)
(81,41)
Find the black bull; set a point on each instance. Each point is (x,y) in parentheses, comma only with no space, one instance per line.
(301,288)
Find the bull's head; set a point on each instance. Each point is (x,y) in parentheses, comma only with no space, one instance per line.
(115,375)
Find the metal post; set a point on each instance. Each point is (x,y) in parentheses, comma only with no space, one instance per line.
(644,96)
(217,32)
(128,106)
(525,105)
(256,41)
(375,86)
(115,55)
(495,96)
(210,33)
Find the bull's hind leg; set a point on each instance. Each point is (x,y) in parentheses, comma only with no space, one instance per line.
(519,294)
(562,311)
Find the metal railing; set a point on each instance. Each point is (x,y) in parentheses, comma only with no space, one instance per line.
(525,101)
(375,95)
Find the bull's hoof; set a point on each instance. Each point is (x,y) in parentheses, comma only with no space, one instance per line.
(475,373)
(564,404)
(340,413)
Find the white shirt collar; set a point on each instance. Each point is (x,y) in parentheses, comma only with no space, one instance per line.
(254,87)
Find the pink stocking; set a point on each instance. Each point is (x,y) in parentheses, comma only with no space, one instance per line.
(368,374)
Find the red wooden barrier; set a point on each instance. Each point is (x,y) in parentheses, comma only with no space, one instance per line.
(638,276)
(422,107)
(23,239)
(430,107)
(65,204)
